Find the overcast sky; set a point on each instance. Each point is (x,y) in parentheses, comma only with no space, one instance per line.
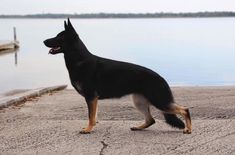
(116,6)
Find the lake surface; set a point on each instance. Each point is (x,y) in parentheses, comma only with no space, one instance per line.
(185,51)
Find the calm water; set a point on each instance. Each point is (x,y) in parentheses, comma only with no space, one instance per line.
(188,51)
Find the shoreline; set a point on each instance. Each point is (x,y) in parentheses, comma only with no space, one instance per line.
(17,96)
(69,87)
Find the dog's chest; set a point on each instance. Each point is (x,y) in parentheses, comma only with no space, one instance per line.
(78,86)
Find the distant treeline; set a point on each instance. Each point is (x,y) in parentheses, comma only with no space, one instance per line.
(125,15)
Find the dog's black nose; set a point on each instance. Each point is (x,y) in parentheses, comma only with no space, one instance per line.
(45,42)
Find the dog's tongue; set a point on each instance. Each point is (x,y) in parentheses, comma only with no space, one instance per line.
(52,50)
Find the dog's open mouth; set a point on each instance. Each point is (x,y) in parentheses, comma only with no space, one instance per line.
(54,50)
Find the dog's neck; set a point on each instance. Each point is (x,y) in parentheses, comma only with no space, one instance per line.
(76,53)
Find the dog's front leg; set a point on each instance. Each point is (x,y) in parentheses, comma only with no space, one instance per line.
(92,110)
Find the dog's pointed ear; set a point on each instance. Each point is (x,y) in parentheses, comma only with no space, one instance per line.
(65,25)
(69,23)
(70,26)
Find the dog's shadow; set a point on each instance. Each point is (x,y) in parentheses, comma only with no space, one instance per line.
(158,132)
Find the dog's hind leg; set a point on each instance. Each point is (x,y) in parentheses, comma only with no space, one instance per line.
(142,104)
(184,112)
(92,112)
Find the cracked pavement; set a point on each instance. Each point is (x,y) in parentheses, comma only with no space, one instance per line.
(51,124)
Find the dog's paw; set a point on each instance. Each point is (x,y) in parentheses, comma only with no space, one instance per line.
(84,132)
(187,131)
(135,129)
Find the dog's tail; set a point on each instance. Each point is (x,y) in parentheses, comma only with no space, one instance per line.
(174,121)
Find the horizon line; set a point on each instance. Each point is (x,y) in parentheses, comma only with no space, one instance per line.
(167,12)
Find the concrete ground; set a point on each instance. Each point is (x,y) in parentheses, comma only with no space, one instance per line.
(50,124)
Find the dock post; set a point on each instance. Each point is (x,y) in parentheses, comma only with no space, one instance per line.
(14,29)
(15,39)
(16,58)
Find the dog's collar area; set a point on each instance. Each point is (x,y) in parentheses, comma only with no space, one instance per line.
(54,50)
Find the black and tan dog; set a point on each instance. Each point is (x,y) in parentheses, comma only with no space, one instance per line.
(99,78)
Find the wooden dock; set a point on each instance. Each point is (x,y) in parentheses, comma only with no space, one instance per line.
(9,45)
(6,45)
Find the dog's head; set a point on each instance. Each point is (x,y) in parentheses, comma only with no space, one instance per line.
(59,43)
